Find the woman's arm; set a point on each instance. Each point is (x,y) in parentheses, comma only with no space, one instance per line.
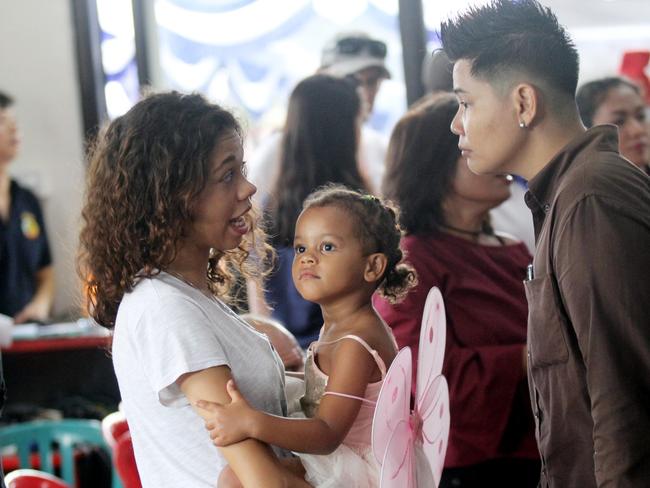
(41,303)
(322,434)
(252,461)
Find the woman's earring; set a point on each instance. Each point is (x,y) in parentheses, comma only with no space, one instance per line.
(522,124)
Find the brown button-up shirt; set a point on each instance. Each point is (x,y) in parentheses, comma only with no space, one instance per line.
(589,316)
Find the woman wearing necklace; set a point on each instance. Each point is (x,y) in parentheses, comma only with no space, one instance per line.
(167,212)
(450,242)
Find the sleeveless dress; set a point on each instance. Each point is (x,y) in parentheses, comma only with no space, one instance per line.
(352,464)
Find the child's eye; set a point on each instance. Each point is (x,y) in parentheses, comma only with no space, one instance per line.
(299,249)
(327,246)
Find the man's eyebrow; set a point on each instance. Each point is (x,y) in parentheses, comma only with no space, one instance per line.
(459,91)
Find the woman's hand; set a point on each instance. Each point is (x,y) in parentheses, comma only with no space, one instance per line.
(229,423)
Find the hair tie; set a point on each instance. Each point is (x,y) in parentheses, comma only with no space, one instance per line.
(371,198)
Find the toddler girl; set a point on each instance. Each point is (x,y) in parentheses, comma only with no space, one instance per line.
(346,247)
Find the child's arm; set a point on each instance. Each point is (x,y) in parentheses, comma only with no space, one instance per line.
(352,371)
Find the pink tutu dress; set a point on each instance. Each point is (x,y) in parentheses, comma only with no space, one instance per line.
(352,464)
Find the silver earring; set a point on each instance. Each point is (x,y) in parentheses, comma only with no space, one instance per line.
(522,124)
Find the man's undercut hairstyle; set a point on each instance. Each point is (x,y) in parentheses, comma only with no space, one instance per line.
(5,101)
(520,36)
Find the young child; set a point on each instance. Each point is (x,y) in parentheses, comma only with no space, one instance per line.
(346,247)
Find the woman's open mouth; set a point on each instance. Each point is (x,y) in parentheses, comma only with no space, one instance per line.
(239,225)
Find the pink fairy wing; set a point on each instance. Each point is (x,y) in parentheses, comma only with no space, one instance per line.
(435,425)
(393,403)
(433,334)
(398,464)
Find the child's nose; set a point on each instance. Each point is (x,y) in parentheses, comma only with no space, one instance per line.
(307,258)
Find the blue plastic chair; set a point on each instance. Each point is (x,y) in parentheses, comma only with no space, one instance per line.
(66,433)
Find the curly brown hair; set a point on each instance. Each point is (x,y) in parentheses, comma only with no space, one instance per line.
(378,228)
(145,173)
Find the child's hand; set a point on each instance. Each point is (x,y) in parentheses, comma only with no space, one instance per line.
(230,423)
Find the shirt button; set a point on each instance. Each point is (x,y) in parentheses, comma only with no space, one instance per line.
(547,207)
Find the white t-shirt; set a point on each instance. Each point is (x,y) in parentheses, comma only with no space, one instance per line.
(166,328)
(513,217)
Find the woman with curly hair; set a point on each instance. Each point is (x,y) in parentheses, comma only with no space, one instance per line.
(167,213)
(451,244)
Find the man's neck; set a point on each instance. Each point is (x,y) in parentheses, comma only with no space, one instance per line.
(5,202)
(545,143)
(5,180)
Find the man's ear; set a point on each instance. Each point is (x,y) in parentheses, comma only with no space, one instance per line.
(375,267)
(527,101)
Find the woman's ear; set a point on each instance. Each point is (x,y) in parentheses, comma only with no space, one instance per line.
(375,267)
(526,99)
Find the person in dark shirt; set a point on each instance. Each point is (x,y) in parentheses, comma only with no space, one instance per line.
(26,273)
(515,77)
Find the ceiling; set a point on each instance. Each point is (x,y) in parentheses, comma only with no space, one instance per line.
(600,13)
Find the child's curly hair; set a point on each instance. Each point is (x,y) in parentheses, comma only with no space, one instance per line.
(377,224)
(146,171)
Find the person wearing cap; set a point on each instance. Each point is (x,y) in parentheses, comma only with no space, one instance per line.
(358,56)
(353,55)
(26,272)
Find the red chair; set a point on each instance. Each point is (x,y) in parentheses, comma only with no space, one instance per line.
(30,478)
(116,433)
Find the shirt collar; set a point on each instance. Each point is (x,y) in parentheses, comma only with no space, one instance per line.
(542,187)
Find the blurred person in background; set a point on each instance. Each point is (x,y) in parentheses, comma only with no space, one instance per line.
(617,101)
(353,55)
(436,74)
(26,271)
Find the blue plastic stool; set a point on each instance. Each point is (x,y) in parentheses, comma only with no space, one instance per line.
(66,433)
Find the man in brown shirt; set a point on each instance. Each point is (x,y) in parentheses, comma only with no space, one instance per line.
(515,76)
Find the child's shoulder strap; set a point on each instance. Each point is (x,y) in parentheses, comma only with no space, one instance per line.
(380,362)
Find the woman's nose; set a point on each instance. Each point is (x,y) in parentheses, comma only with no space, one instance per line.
(247,190)
(456,124)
